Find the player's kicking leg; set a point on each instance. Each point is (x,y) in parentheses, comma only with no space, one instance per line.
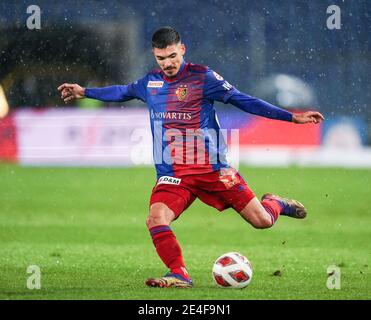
(265,213)
(290,207)
(167,248)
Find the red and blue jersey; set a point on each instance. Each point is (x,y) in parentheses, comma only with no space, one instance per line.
(185,128)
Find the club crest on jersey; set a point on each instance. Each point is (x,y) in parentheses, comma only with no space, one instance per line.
(181,92)
(168,180)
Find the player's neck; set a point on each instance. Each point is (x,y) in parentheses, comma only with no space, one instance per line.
(172,78)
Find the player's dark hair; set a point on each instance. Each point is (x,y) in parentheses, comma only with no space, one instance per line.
(165,36)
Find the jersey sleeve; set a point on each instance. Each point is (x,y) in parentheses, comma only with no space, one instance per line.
(216,88)
(119,93)
(259,107)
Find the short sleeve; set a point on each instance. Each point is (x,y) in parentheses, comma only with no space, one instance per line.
(217,88)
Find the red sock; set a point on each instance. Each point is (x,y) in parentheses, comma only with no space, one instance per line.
(168,249)
(273,207)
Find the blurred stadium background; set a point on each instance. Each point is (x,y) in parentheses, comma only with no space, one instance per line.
(85,226)
(283,53)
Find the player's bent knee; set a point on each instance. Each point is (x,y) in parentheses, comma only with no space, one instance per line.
(159,214)
(255,214)
(155,219)
(262,222)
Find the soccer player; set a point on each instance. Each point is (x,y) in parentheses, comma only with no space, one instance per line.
(180,98)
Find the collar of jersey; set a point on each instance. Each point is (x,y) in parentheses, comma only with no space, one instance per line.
(178,75)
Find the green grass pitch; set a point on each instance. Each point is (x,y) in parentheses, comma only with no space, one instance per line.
(85,229)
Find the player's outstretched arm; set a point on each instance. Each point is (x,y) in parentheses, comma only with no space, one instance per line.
(262,108)
(115,93)
(71,91)
(307,117)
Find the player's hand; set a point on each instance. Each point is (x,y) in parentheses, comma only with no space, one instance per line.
(308,117)
(71,91)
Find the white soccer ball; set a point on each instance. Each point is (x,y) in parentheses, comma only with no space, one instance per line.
(232,270)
